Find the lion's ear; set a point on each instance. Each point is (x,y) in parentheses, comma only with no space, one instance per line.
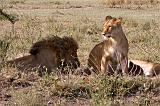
(108,17)
(119,21)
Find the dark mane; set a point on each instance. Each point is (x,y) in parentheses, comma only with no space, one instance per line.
(69,43)
(54,54)
(55,43)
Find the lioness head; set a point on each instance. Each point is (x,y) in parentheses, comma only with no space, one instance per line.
(110,26)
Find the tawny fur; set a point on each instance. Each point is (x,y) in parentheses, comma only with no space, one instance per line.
(134,69)
(113,51)
(149,69)
(48,54)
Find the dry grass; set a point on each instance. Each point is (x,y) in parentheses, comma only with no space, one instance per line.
(142,2)
(83,21)
(92,90)
(131,3)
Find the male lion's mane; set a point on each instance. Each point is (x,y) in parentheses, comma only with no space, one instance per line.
(46,53)
(55,43)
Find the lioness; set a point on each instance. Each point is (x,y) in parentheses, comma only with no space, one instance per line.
(113,51)
(47,55)
(149,69)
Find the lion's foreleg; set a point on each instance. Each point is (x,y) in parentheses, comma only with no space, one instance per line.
(124,65)
(104,64)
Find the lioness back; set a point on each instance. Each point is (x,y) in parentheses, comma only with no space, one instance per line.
(149,69)
(134,69)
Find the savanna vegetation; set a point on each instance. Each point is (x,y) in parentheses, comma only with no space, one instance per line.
(82,20)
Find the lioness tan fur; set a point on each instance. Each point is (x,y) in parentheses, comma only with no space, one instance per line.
(149,69)
(113,51)
(48,54)
(134,69)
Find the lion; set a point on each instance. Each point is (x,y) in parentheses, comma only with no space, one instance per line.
(149,69)
(49,54)
(112,53)
(134,69)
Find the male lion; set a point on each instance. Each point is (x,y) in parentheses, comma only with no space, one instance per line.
(149,69)
(113,51)
(49,54)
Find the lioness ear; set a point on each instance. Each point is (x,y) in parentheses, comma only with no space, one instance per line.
(108,17)
(119,21)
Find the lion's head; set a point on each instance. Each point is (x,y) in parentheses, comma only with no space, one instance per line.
(69,52)
(65,49)
(110,26)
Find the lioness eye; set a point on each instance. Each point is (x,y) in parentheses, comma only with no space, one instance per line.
(110,26)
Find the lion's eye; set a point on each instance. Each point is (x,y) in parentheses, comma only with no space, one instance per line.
(110,26)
